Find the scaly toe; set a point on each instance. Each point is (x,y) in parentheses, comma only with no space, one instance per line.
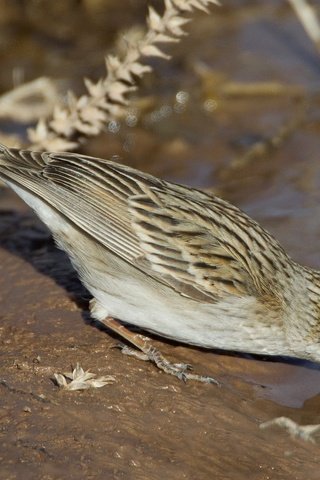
(183,367)
(132,352)
(198,378)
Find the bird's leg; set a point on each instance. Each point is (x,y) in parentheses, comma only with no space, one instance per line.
(149,352)
(132,352)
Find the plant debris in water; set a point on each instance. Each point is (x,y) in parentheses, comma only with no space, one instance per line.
(81,380)
(304,432)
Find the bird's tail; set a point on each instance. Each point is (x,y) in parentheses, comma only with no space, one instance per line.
(14,159)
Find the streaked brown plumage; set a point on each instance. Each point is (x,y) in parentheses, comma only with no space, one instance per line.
(170,259)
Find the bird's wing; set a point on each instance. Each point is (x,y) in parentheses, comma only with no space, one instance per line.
(179,236)
(185,247)
(87,191)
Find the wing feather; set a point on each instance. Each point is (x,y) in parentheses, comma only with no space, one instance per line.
(182,249)
(170,232)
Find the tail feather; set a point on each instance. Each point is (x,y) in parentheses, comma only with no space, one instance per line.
(12,159)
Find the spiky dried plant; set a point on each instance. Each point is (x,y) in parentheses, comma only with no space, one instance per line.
(107,99)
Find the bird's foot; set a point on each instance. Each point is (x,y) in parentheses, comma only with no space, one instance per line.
(151,357)
(149,353)
(132,352)
(179,370)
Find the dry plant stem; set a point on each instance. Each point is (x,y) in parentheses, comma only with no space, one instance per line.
(303,432)
(261,149)
(216,84)
(152,354)
(16,103)
(107,99)
(260,89)
(309,19)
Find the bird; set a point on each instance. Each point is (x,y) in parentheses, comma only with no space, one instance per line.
(170,260)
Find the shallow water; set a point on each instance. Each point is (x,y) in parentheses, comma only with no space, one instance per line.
(186,128)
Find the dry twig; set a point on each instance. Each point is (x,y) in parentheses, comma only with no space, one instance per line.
(309,19)
(29,101)
(261,149)
(304,432)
